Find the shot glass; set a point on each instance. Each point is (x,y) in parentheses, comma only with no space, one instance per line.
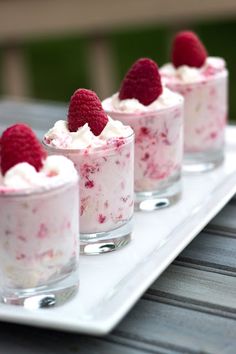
(106,193)
(158,155)
(205,118)
(39,246)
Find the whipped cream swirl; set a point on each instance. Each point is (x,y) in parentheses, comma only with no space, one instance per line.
(186,74)
(166,100)
(56,171)
(59,135)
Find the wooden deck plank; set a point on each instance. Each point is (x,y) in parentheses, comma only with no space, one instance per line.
(28,340)
(179,329)
(199,287)
(35,113)
(211,251)
(225,221)
(40,116)
(143,346)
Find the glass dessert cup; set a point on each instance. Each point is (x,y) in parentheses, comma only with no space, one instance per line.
(106,193)
(39,246)
(205,118)
(158,155)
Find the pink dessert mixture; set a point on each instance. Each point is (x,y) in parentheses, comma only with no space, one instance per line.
(202,80)
(106,185)
(156,116)
(38,221)
(205,107)
(102,152)
(158,146)
(38,237)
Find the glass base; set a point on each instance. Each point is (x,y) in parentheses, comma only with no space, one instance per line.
(168,195)
(51,295)
(200,162)
(103,242)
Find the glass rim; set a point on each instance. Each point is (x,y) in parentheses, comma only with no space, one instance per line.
(28,192)
(110,146)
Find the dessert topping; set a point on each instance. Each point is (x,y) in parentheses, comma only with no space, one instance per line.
(85,107)
(187,49)
(20,144)
(142,82)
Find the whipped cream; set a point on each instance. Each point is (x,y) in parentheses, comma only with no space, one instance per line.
(60,137)
(186,74)
(56,171)
(166,100)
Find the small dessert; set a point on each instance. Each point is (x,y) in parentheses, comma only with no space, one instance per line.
(156,116)
(203,81)
(102,151)
(38,221)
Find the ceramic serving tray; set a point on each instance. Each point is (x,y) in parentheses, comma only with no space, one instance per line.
(110,284)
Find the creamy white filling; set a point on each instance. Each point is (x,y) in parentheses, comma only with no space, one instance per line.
(59,136)
(56,171)
(187,74)
(166,100)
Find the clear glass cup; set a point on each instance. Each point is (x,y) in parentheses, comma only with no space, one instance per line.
(158,155)
(205,119)
(39,246)
(106,193)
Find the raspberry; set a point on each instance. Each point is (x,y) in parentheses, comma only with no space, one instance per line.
(142,82)
(187,49)
(85,107)
(19,144)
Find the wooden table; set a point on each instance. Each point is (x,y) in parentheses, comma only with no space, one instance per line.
(191,308)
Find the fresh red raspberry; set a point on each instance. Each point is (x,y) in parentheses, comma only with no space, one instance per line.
(85,107)
(187,49)
(142,82)
(19,144)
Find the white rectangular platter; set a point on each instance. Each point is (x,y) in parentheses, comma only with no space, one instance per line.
(110,284)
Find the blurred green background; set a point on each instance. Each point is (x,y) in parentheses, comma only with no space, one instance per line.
(58,67)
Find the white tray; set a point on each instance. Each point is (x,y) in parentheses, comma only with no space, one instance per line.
(110,284)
